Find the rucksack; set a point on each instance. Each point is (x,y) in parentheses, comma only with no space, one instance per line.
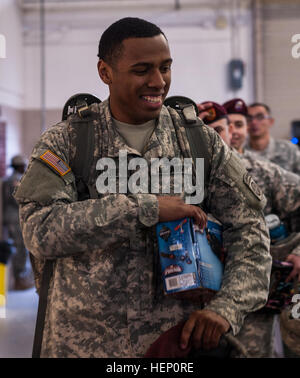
(80,104)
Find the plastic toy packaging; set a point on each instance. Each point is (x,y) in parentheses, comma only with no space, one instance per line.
(277,229)
(280,292)
(190,258)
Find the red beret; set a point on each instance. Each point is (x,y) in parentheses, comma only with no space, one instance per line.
(216,112)
(236,106)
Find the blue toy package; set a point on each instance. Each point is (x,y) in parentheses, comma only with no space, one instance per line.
(210,255)
(177,255)
(190,259)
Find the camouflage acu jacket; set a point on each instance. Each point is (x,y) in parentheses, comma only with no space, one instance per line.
(281,152)
(104,300)
(280,187)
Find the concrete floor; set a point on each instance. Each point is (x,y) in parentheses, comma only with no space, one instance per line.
(17,328)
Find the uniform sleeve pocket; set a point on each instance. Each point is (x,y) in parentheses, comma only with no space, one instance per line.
(235,174)
(40,184)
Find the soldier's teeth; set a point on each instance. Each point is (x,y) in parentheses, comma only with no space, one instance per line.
(153,99)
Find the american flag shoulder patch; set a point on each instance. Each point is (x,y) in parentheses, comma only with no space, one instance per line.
(55,162)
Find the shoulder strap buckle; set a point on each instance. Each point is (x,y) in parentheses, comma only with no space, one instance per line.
(189,114)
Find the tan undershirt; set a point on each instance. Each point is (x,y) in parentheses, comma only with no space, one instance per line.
(136,136)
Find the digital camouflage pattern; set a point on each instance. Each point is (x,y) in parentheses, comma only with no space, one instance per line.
(282,191)
(290,330)
(259,337)
(106,297)
(280,187)
(281,152)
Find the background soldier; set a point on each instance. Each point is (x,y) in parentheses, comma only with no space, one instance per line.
(281,152)
(22,276)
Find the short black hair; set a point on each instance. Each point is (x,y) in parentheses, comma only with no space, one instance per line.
(110,44)
(261,104)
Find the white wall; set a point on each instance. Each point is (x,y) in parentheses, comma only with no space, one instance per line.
(281,72)
(12,75)
(200,51)
(11,68)
(201,57)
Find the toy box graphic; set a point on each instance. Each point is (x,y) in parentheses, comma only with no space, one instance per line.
(177,255)
(210,255)
(186,256)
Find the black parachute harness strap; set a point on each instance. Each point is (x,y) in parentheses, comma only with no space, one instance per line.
(42,307)
(85,140)
(79,104)
(188,111)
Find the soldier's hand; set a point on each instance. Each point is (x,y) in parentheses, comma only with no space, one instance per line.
(173,208)
(203,329)
(295,260)
(203,109)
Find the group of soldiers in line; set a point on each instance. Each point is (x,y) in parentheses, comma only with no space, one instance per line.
(275,167)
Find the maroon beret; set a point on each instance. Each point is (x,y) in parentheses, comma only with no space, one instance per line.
(168,344)
(216,112)
(236,106)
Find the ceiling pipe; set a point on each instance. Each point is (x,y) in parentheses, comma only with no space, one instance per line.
(109,4)
(258,56)
(42,66)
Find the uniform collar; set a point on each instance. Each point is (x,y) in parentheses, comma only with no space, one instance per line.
(156,145)
(270,149)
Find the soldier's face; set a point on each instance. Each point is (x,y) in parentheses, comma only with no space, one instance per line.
(222,128)
(238,124)
(259,122)
(140,79)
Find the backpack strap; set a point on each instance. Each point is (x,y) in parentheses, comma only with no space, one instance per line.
(41,314)
(188,112)
(195,135)
(84,140)
(78,103)
(85,144)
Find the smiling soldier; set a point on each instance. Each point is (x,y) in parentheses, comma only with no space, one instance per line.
(260,142)
(104,297)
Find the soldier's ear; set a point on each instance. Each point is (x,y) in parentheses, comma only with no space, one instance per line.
(105,72)
(230,128)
